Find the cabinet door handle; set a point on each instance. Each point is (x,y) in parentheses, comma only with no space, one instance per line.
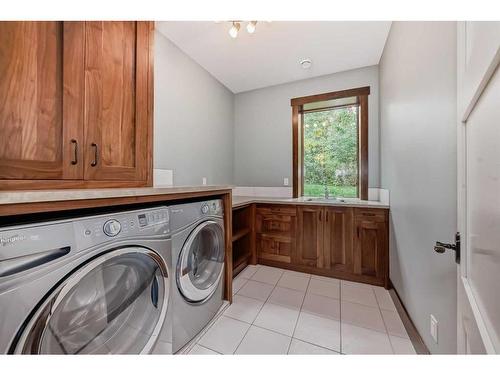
(326,218)
(94,163)
(320,215)
(75,152)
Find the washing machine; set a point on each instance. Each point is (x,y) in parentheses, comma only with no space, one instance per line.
(90,285)
(198,248)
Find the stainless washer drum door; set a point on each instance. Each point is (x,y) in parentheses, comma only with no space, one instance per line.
(201,262)
(114,304)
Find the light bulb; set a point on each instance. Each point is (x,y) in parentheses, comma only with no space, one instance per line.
(233,31)
(251,27)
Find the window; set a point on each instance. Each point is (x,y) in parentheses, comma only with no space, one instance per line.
(330,144)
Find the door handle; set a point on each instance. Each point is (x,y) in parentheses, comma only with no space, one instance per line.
(75,152)
(94,162)
(154,292)
(441,247)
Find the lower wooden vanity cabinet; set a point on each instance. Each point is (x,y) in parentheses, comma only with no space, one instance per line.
(309,245)
(275,232)
(371,245)
(343,242)
(338,241)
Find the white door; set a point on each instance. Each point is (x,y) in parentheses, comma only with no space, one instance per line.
(478,95)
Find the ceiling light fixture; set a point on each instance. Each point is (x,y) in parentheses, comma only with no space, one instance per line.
(233,31)
(236,25)
(251,26)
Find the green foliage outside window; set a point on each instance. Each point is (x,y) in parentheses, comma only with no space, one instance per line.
(331,152)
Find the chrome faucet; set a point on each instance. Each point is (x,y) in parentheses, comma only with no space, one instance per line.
(327,194)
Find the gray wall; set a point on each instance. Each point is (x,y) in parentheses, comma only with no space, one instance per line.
(193,119)
(263,126)
(418,159)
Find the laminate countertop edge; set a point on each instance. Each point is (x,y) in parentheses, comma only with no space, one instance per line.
(240,201)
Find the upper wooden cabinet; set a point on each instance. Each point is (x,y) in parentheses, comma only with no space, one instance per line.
(34,128)
(76,104)
(116,100)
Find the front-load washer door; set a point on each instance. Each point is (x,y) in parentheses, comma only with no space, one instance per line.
(116,303)
(201,262)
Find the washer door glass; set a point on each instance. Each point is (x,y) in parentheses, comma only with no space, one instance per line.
(201,262)
(114,304)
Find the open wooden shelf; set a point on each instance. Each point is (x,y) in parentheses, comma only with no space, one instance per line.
(243,258)
(243,237)
(240,233)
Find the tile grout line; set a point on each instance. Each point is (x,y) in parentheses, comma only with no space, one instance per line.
(222,315)
(204,347)
(388,333)
(373,329)
(251,324)
(326,317)
(340,316)
(340,299)
(204,331)
(383,321)
(298,317)
(313,344)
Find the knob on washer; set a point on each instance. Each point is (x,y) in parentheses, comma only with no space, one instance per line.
(112,227)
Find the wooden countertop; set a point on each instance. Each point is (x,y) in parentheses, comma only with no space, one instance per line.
(34,201)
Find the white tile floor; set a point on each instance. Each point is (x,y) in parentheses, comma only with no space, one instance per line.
(275,311)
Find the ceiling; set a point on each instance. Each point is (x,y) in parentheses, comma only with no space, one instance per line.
(272,54)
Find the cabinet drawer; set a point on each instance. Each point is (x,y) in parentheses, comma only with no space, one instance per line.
(275,224)
(277,210)
(371,214)
(274,248)
(279,221)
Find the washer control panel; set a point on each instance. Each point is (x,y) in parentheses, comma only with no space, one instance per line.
(152,218)
(212,207)
(120,225)
(112,227)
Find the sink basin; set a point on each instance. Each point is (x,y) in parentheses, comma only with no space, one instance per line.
(322,199)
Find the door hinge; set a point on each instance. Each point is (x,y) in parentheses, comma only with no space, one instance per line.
(441,247)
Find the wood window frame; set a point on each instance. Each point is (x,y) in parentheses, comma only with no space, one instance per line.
(298,136)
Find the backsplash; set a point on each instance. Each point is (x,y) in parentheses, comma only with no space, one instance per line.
(374,194)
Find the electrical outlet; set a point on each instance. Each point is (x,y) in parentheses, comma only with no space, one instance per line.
(285,181)
(434,328)
(204,180)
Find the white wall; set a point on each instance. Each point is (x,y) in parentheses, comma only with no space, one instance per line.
(418,166)
(263,126)
(193,119)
